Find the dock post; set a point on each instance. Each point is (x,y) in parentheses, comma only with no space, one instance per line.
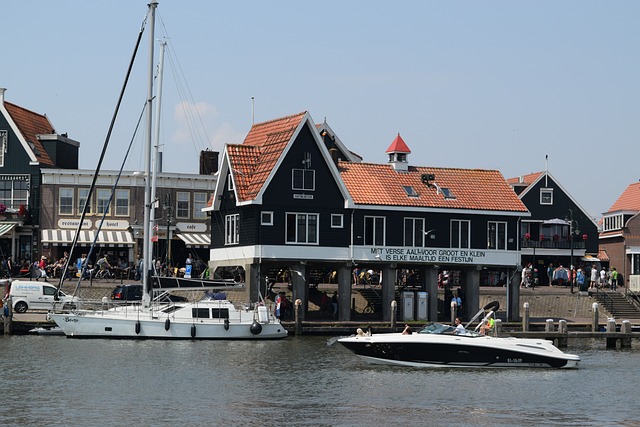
(8,316)
(298,319)
(611,329)
(625,329)
(548,326)
(594,323)
(525,318)
(394,309)
(563,340)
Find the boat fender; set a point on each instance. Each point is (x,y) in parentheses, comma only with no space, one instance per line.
(138,327)
(193,331)
(226,324)
(167,324)
(255,328)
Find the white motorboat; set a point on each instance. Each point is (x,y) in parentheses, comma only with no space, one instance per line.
(440,345)
(208,318)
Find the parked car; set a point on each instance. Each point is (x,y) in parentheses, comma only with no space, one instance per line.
(34,295)
(133,292)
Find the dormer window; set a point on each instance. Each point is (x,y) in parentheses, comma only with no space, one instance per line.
(447,193)
(411,192)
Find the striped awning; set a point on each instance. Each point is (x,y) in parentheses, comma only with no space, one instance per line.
(6,227)
(105,238)
(195,239)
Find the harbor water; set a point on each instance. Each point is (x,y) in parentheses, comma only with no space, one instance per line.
(299,381)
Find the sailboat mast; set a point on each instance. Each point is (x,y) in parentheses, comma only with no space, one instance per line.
(147,193)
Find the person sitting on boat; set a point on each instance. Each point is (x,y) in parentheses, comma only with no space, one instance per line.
(488,325)
(407,330)
(460,330)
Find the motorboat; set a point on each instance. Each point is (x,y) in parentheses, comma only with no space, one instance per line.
(212,317)
(441,345)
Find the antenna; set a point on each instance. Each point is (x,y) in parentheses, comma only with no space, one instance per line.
(253,111)
(546,169)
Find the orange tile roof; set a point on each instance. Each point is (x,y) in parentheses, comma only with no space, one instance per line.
(380,184)
(629,200)
(603,255)
(31,124)
(255,158)
(525,179)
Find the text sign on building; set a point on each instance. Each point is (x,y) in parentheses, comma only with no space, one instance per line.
(435,255)
(191,227)
(73,223)
(118,224)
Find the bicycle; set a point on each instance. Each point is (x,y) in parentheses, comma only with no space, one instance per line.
(105,274)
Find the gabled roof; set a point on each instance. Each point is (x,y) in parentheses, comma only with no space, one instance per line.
(29,125)
(525,180)
(476,189)
(253,160)
(398,146)
(629,200)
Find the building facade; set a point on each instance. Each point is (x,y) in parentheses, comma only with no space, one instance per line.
(293,197)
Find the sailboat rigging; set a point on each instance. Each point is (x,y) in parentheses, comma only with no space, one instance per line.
(212,317)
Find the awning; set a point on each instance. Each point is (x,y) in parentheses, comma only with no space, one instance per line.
(6,227)
(105,238)
(590,258)
(195,239)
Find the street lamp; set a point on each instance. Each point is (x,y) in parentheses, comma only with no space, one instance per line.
(571,222)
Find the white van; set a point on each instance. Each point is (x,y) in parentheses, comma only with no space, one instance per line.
(32,295)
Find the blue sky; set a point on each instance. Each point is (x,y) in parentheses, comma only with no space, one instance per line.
(488,85)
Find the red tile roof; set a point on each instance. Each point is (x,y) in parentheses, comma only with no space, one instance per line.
(380,184)
(254,159)
(526,180)
(398,146)
(629,200)
(31,124)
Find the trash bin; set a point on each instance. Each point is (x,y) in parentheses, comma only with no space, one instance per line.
(422,305)
(407,306)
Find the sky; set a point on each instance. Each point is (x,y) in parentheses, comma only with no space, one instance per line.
(467,84)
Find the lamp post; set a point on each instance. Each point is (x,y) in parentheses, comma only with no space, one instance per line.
(571,222)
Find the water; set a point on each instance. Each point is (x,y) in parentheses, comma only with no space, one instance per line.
(56,381)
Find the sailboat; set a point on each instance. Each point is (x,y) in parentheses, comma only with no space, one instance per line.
(211,317)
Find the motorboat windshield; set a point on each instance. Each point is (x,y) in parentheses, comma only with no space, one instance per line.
(442,329)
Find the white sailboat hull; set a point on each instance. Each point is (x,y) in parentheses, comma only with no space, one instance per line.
(167,322)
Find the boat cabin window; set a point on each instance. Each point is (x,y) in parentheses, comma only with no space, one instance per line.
(200,313)
(220,313)
(171,309)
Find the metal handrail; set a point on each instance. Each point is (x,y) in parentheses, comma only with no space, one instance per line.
(608,301)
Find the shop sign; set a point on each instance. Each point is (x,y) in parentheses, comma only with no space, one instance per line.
(73,223)
(192,227)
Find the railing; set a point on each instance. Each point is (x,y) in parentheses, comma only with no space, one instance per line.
(551,244)
(607,301)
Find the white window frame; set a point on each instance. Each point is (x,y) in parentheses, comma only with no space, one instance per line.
(371,236)
(266,218)
(495,243)
(102,201)
(183,204)
(229,183)
(544,191)
(306,175)
(417,239)
(199,202)
(302,231)
(337,221)
(232,229)
(4,138)
(66,193)
(460,244)
(83,199)
(122,202)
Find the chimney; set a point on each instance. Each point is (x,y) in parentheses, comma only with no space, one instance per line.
(2,91)
(208,162)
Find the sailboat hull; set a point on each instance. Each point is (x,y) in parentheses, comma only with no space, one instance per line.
(171,322)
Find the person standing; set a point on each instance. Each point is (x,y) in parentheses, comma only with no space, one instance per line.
(614,279)
(594,277)
(603,277)
(42,265)
(550,274)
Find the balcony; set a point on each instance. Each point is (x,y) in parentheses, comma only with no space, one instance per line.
(552,244)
